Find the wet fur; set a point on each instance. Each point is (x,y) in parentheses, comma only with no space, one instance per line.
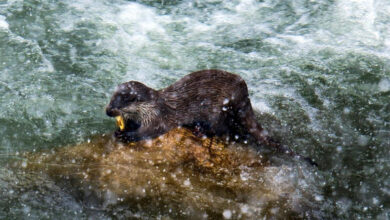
(214,101)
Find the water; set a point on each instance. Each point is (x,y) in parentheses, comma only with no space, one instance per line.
(318,71)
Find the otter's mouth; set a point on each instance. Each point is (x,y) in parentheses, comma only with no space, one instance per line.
(120,122)
(128,125)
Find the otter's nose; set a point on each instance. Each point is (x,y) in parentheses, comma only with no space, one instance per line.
(112,112)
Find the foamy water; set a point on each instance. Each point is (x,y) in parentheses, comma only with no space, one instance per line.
(317,72)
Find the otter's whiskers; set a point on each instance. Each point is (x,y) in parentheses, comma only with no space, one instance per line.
(148,112)
(141,112)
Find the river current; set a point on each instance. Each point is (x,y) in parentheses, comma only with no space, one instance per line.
(318,73)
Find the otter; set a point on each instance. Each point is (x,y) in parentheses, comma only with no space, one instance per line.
(210,102)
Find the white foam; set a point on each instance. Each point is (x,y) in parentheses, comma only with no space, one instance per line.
(261,106)
(3,23)
(200,27)
(360,16)
(143,19)
(299,39)
(384,85)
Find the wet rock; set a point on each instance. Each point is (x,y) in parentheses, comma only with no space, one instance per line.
(176,175)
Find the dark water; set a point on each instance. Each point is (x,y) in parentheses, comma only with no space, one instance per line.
(318,71)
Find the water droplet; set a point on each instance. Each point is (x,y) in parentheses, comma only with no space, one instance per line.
(187,182)
(244,208)
(375,201)
(227,214)
(318,198)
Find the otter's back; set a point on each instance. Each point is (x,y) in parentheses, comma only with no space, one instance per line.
(207,81)
(205,92)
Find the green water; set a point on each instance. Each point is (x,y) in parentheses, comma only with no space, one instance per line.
(319,71)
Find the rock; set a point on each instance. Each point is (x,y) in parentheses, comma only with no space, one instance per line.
(175,175)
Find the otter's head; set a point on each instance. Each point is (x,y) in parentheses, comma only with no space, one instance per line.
(134,105)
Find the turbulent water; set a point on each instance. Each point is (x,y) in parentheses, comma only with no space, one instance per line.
(317,70)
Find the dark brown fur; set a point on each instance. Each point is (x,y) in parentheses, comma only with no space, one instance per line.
(213,102)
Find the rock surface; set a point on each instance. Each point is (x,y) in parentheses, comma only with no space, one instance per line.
(176,175)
